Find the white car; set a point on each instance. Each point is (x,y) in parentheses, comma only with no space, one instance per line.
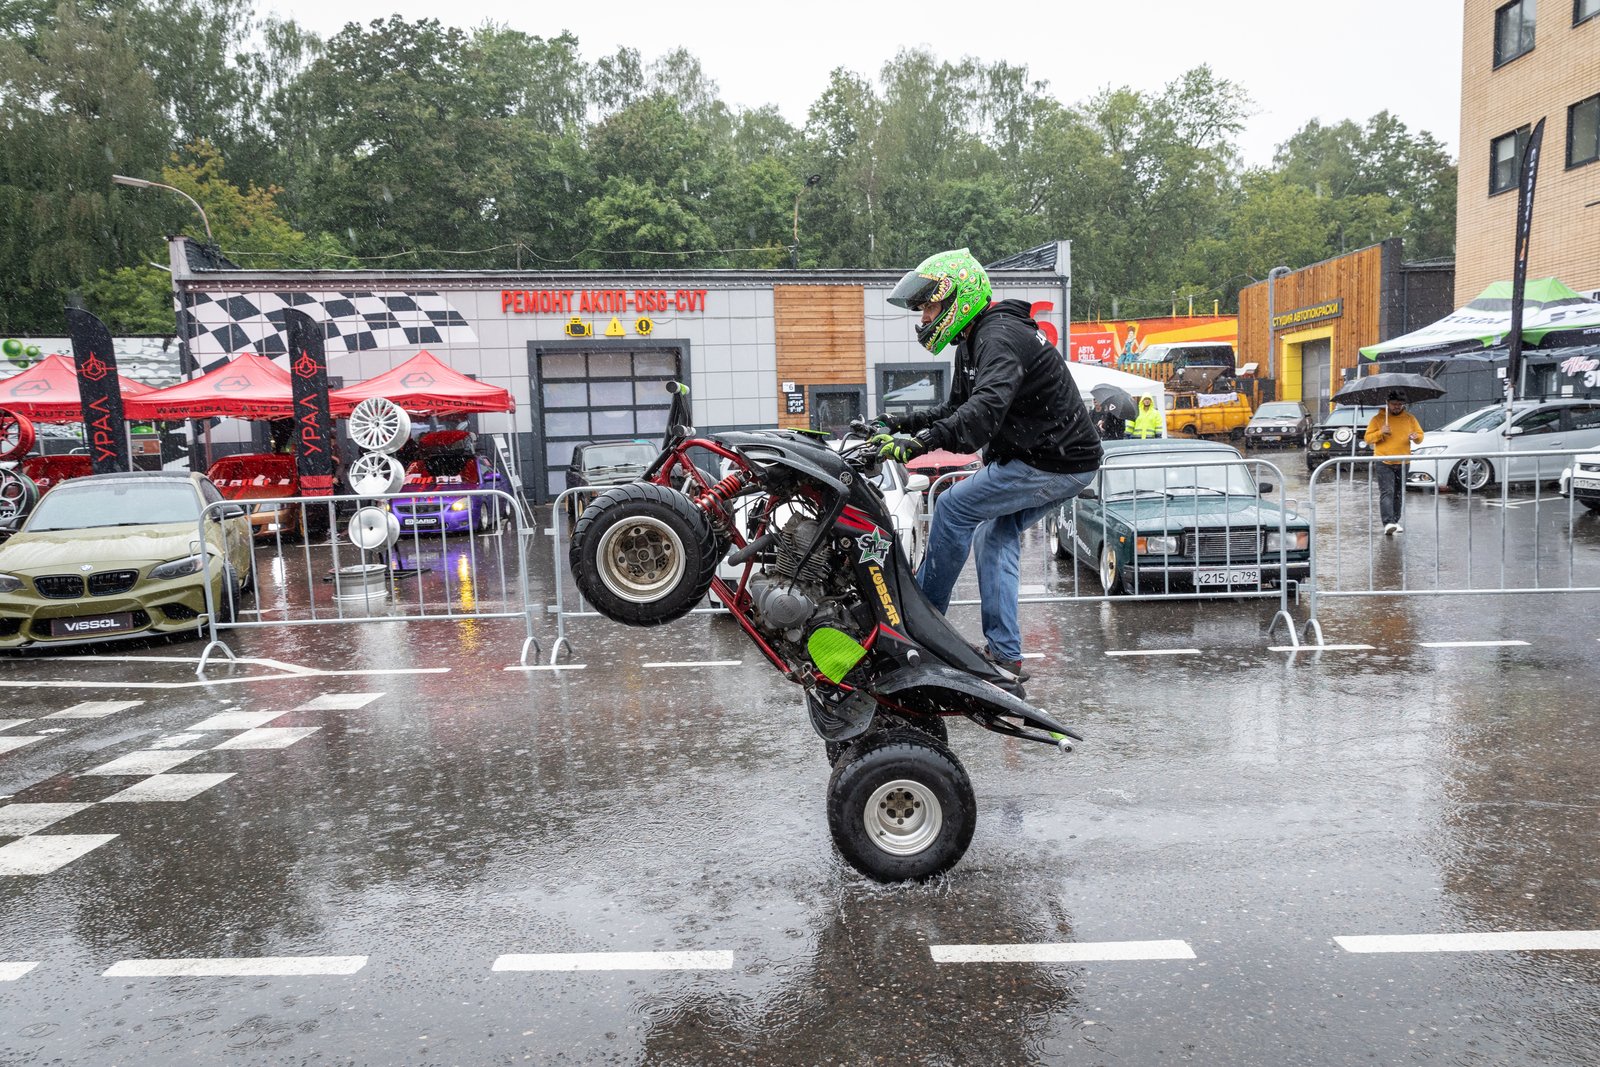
(1445,457)
(902,492)
(1582,480)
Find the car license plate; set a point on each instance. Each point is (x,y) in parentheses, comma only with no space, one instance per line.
(428,520)
(1224,576)
(92,625)
(1585,483)
(1270,437)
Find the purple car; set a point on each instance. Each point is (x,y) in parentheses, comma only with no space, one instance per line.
(432,499)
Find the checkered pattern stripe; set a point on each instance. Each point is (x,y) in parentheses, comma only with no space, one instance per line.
(222,323)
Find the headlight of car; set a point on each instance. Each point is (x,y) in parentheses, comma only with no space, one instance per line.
(461,505)
(1164,545)
(1295,539)
(10,583)
(178,568)
(1427,450)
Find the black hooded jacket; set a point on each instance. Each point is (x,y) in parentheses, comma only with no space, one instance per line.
(1012,397)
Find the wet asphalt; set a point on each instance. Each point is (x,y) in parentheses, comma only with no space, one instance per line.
(431,813)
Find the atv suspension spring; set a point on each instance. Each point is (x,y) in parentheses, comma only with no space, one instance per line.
(724,490)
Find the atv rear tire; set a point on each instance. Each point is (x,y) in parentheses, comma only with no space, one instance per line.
(643,554)
(931,725)
(901,807)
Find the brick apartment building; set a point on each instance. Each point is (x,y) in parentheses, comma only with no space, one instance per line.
(1522,61)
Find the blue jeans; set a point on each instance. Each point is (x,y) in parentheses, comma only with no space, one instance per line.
(992,507)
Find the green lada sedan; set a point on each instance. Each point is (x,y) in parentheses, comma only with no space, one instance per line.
(119,555)
(1180,516)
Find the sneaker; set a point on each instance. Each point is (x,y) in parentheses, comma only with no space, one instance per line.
(1398,528)
(1013,666)
(1389,528)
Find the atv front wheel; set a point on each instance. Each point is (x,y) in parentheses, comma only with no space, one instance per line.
(643,554)
(901,807)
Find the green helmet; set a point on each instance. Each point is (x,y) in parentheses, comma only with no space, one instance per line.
(955,277)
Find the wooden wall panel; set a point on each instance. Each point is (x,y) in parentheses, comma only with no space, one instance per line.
(1356,277)
(822,339)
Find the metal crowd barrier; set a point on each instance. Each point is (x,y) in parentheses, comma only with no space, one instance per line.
(1479,555)
(304,571)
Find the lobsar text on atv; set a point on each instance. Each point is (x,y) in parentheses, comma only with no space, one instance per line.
(833,605)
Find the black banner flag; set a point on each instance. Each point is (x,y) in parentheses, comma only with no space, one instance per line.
(105,431)
(1519,271)
(313,437)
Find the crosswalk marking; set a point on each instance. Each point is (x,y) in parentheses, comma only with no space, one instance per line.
(269,737)
(17,820)
(339,702)
(10,972)
(95,709)
(163,788)
(615,961)
(1506,941)
(256,967)
(1069,952)
(11,742)
(1473,644)
(44,853)
(145,761)
(237,720)
(6,724)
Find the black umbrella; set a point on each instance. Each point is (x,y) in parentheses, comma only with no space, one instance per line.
(1373,390)
(1120,401)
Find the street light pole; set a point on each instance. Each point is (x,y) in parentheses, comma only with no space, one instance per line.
(794,249)
(1272,334)
(141,183)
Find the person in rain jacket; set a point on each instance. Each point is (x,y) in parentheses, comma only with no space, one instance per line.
(1112,426)
(1148,423)
(1012,396)
(1392,432)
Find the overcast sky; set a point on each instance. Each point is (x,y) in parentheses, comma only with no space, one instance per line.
(1297,60)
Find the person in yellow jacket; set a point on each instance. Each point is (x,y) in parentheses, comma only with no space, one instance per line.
(1392,432)
(1148,423)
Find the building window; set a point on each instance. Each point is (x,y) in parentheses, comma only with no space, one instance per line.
(1513,30)
(1583,131)
(1505,160)
(1584,10)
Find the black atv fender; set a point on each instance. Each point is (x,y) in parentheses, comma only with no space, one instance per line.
(997,700)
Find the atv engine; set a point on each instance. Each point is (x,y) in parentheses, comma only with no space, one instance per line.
(794,595)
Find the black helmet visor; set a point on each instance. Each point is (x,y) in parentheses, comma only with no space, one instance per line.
(914,291)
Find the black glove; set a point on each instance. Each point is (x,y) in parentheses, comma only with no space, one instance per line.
(881,424)
(898,446)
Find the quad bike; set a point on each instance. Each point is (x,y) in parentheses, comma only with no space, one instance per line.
(834,607)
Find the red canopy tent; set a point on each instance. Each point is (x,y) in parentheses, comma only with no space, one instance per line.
(424,386)
(48,391)
(248,386)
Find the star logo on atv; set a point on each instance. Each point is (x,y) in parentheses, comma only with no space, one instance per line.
(874,548)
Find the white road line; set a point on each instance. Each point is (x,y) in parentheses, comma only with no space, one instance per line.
(1030,590)
(10,972)
(1509,941)
(6,724)
(95,709)
(548,667)
(145,761)
(271,737)
(1033,655)
(164,788)
(616,961)
(258,967)
(78,684)
(1069,952)
(18,820)
(44,853)
(1319,648)
(236,720)
(16,741)
(339,702)
(1471,644)
(1156,652)
(695,663)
